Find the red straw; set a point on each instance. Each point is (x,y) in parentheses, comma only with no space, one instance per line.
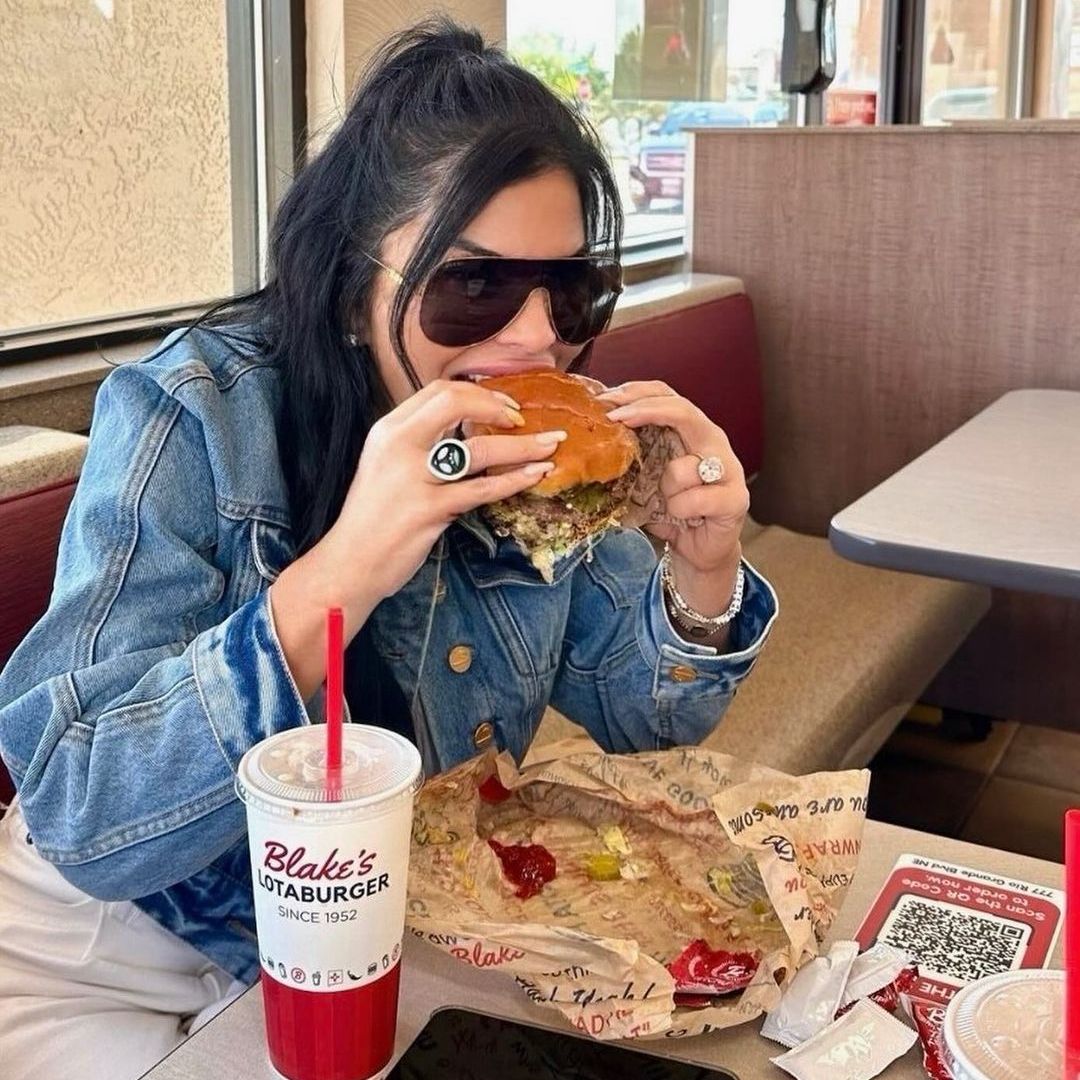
(1072,944)
(335,671)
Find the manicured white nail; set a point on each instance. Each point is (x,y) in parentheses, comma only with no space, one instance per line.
(551,438)
(506,399)
(539,468)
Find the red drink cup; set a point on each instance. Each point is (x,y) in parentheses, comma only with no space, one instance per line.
(329,870)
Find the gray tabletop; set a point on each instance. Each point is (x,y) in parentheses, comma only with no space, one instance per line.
(997,502)
(233,1045)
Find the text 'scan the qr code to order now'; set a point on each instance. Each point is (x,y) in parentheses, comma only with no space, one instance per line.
(961,924)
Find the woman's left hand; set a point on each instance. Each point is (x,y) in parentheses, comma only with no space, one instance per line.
(706,552)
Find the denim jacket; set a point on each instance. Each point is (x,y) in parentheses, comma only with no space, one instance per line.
(125,711)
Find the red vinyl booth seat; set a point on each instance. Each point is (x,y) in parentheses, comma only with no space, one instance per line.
(29,536)
(709,354)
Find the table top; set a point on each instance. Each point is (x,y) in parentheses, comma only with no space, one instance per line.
(233,1043)
(997,502)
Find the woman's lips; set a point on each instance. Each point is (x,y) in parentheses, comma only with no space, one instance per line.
(511,367)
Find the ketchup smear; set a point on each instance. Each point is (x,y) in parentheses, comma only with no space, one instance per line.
(528,866)
(492,790)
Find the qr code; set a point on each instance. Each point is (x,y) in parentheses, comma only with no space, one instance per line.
(954,943)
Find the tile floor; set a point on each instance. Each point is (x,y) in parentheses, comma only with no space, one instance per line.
(1008,790)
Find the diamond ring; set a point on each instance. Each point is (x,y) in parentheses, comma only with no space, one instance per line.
(711,470)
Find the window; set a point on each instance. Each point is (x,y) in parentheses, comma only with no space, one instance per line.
(1064,61)
(967,53)
(646,70)
(129,147)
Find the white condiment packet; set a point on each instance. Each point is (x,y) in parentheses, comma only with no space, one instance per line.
(873,970)
(858,1046)
(812,999)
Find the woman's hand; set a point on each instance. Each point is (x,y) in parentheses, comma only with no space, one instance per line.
(395,511)
(705,555)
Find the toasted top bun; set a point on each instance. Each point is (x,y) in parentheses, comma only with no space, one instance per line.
(596,451)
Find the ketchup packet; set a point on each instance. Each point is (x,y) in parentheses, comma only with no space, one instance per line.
(882,974)
(929,1020)
(699,971)
(864,1042)
(873,971)
(888,997)
(813,997)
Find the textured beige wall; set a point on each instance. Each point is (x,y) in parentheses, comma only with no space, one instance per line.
(114,157)
(367,24)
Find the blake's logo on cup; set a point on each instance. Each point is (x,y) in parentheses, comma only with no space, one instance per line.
(282,867)
(329,893)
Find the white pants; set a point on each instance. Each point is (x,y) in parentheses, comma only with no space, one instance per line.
(88,989)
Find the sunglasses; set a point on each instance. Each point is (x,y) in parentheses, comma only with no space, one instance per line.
(467,301)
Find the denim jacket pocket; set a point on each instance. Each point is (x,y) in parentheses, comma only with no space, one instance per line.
(272,548)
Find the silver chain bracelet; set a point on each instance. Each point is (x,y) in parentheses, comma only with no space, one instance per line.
(696,624)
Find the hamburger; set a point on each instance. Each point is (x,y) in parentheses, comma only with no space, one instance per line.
(595,472)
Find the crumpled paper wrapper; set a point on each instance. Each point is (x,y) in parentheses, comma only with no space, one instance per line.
(745,857)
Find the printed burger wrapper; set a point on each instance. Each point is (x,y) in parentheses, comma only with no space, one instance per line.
(654,852)
(646,506)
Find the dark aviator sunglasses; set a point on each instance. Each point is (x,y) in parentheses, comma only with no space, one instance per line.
(467,301)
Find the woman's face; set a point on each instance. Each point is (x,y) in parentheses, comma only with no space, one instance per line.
(537,218)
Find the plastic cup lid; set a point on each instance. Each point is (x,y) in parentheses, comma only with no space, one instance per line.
(290,768)
(1008,1027)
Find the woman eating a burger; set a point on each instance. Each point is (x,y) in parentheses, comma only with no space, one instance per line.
(383,428)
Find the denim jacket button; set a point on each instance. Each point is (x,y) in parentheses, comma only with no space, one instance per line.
(682,673)
(483,735)
(460,659)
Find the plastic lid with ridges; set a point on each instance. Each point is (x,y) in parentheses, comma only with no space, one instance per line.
(288,770)
(1008,1027)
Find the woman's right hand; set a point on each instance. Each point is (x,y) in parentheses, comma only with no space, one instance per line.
(395,510)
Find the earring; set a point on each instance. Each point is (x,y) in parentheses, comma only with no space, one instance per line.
(352,339)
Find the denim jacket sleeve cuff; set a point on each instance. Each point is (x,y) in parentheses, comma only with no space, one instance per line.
(244,683)
(683,669)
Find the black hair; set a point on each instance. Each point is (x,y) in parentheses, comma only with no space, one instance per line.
(439,123)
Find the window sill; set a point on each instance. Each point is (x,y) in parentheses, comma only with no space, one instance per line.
(672,292)
(58,391)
